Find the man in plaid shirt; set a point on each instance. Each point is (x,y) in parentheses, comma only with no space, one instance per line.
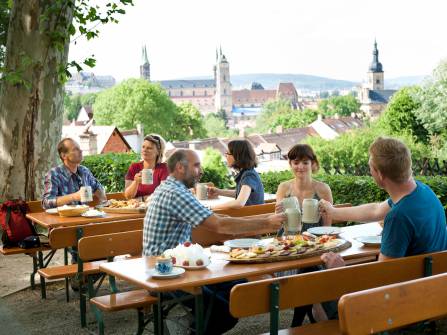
(63,183)
(172,214)
(174,211)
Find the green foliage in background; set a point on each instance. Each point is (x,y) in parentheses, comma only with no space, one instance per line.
(400,115)
(354,189)
(188,123)
(352,147)
(341,105)
(215,126)
(215,170)
(110,169)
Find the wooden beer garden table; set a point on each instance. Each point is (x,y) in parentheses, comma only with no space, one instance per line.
(50,221)
(135,271)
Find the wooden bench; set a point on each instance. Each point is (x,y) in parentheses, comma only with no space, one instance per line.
(273,295)
(268,208)
(393,306)
(107,246)
(63,237)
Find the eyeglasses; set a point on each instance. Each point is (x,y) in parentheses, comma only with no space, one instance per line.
(154,138)
(228,154)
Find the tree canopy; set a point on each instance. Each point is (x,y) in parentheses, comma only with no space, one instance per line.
(188,123)
(215,127)
(341,105)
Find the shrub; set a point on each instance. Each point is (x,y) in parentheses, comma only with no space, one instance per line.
(110,170)
(355,189)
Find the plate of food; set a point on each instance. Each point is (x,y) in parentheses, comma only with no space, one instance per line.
(292,247)
(51,211)
(242,243)
(124,206)
(93,213)
(189,256)
(369,241)
(176,272)
(77,210)
(324,230)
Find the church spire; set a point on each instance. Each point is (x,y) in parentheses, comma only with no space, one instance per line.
(145,67)
(375,66)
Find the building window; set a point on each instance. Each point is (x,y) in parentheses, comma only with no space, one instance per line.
(193,93)
(181,93)
(377,81)
(169,92)
(225,92)
(206,93)
(225,78)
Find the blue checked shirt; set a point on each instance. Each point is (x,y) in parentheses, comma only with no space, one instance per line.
(60,181)
(172,213)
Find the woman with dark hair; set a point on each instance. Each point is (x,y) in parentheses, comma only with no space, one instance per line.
(303,162)
(249,189)
(152,151)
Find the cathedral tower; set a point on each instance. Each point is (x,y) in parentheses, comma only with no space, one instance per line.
(145,67)
(223,99)
(375,73)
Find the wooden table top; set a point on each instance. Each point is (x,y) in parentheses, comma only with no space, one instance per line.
(51,221)
(220,270)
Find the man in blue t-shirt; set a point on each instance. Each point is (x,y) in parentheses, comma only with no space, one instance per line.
(414,219)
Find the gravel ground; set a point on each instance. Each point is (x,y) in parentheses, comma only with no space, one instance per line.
(22,311)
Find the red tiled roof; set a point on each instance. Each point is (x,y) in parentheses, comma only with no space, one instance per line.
(252,96)
(343,124)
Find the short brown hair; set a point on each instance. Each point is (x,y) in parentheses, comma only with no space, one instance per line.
(303,152)
(392,158)
(178,156)
(61,148)
(243,153)
(159,142)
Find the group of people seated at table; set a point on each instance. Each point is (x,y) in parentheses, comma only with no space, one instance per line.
(414,219)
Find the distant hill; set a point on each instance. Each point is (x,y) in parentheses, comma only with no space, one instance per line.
(308,82)
(395,83)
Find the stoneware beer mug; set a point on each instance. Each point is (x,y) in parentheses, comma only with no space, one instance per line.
(293,226)
(202,191)
(290,202)
(146,177)
(86,194)
(311,212)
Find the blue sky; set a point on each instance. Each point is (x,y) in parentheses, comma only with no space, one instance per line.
(331,38)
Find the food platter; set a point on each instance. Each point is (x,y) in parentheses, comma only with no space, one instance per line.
(124,206)
(295,247)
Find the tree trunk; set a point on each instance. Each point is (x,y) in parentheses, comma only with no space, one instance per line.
(31,112)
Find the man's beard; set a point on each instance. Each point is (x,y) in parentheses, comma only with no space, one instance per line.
(190,181)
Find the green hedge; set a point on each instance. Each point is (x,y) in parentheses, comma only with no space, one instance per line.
(110,170)
(355,189)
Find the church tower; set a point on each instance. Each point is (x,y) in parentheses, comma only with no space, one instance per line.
(145,67)
(375,73)
(223,98)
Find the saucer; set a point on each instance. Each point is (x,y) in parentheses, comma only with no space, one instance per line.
(176,272)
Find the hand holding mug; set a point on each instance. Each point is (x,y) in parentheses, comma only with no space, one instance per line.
(279,207)
(276,220)
(213,192)
(137,178)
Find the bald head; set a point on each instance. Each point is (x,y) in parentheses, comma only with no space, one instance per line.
(184,165)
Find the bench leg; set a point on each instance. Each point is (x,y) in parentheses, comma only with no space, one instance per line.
(82,303)
(67,289)
(141,322)
(99,319)
(43,288)
(35,268)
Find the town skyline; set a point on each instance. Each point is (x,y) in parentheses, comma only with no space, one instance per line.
(322,38)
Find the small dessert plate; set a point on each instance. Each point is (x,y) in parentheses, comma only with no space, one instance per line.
(176,272)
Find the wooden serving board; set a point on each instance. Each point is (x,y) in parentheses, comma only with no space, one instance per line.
(309,253)
(123,210)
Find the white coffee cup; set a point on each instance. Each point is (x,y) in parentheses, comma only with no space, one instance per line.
(147,177)
(311,212)
(86,194)
(293,221)
(202,191)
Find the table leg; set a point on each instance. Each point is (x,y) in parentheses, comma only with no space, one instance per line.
(158,315)
(199,314)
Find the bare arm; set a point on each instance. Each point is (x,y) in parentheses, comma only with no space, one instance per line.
(131,186)
(69,198)
(239,202)
(232,225)
(363,213)
(280,195)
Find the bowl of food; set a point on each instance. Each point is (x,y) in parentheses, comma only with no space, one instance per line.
(77,210)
